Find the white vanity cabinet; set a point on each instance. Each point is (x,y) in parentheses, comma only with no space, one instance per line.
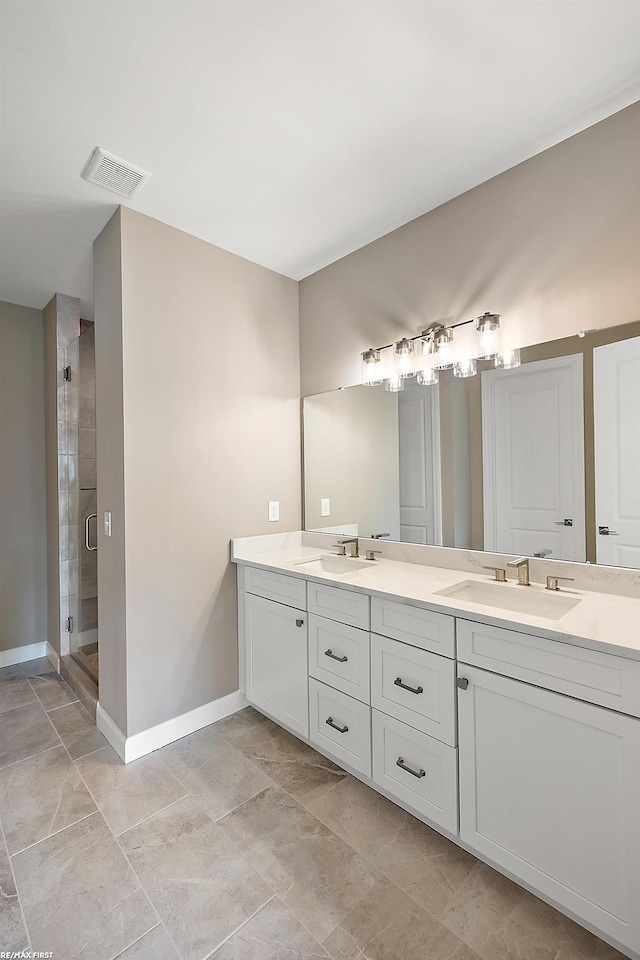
(549,784)
(413,698)
(339,687)
(275,652)
(523,749)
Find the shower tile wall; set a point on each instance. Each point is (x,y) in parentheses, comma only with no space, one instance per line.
(68,480)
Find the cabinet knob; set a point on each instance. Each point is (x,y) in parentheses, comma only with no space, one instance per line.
(462,683)
(299,623)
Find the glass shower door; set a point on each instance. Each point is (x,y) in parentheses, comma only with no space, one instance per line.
(83,640)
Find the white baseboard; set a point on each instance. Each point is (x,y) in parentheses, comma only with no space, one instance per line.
(33,651)
(112,733)
(140,744)
(53,657)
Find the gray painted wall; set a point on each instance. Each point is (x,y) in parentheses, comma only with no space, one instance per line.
(552,244)
(23,584)
(197,386)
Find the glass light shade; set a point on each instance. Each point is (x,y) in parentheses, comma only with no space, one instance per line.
(394,384)
(371,368)
(404,358)
(487,331)
(465,368)
(444,357)
(428,377)
(487,344)
(508,359)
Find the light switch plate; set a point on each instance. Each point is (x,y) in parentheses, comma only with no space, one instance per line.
(107,524)
(324,507)
(274,509)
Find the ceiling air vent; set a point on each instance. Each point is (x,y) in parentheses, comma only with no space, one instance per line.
(114,173)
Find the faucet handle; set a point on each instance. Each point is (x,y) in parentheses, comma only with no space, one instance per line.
(552,582)
(370,554)
(500,573)
(342,550)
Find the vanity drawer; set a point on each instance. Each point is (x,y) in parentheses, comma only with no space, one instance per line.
(429,704)
(276,586)
(417,769)
(339,656)
(576,671)
(340,725)
(346,606)
(421,628)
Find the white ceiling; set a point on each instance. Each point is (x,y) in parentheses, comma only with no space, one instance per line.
(290,133)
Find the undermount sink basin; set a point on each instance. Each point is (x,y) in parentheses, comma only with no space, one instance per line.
(328,563)
(503,596)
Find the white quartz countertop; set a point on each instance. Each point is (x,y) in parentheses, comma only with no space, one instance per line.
(604,622)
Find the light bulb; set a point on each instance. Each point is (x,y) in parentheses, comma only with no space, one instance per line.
(508,359)
(487,327)
(428,377)
(371,368)
(444,345)
(404,357)
(465,368)
(394,384)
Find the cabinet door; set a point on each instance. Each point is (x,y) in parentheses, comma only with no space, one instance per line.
(276,662)
(550,790)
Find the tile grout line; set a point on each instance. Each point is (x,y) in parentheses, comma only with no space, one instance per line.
(31,756)
(55,833)
(29,679)
(255,913)
(150,901)
(15,883)
(131,867)
(276,894)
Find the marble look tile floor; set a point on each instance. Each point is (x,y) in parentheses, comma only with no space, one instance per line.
(236,843)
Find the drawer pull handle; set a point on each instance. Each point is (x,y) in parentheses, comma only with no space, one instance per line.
(398,683)
(335,726)
(299,623)
(414,773)
(330,653)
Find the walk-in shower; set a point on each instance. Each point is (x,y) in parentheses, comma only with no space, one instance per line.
(80,407)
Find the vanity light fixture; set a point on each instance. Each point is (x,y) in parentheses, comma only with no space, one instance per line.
(508,359)
(394,383)
(443,342)
(428,377)
(487,327)
(436,348)
(465,368)
(403,358)
(372,367)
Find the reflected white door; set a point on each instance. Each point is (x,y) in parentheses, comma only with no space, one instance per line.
(533,459)
(419,443)
(616,388)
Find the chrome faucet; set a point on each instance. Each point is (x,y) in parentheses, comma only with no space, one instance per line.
(522,566)
(355,552)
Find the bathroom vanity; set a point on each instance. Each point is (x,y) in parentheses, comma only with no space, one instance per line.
(506,717)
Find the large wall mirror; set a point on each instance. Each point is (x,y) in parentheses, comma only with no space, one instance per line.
(540,460)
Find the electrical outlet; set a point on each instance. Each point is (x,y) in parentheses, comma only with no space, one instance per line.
(274,509)
(324,507)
